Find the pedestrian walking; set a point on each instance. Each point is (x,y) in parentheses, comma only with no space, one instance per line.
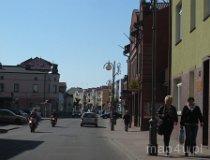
(168,114)
(191,115)
(127,120)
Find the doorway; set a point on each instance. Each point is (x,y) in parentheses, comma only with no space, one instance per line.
(205,101)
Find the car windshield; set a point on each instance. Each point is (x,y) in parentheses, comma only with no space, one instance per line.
(16,111)
(22,112)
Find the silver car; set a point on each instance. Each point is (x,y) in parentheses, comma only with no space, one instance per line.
(89,118)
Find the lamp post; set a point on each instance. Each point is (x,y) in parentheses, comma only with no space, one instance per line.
(152,147)
(112,66)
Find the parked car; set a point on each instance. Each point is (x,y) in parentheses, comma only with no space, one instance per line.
(9,117)
(18,112)
(105,115)
(27,110)
(89,118)
(76,115)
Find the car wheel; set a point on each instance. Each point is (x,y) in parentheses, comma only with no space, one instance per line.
(81,125)
(96,125)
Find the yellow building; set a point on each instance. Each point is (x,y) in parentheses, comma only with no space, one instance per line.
(190,57)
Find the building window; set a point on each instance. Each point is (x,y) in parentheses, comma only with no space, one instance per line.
(192,15)
(16,87)
(55,88)
(206,9)
(1,77)
(179,22)
(35,78)
(35,88)
(1,87)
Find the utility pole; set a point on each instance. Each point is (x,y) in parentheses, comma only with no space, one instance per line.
(152,147)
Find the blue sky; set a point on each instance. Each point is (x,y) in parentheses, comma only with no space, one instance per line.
(78,35)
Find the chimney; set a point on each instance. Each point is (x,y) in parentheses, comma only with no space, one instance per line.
(54,69)
(146,8)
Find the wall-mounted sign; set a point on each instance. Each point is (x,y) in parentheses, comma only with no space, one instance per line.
(199,85)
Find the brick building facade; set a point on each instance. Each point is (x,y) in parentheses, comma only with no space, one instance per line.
(140,61)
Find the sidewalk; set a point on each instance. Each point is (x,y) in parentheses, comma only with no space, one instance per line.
(134,144)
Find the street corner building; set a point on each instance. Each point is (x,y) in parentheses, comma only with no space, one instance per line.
(33,83)
(139,53)
(190,57)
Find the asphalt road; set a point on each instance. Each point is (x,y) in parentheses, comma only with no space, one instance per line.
(66,141)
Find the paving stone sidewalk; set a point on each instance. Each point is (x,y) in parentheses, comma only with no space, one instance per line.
(134,144)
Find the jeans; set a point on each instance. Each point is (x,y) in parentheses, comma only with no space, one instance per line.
(126,125)
(191,134)
(166,138)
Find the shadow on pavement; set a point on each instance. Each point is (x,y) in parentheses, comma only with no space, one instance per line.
(172,156)
(203,157)
(41,132)
(101,127)
(60,127)
(11,148)
(89,126)
(134,131)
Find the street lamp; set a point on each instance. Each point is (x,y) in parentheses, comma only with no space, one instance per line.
(112,66)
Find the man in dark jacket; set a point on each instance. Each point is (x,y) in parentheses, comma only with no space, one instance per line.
(191,114)
(127,120)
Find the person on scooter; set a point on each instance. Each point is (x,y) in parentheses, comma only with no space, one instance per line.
(54,115)
(34,115)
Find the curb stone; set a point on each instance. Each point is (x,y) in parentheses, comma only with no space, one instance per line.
(3,131)
(6,130)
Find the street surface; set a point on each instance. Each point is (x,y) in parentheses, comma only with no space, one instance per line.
(67,141)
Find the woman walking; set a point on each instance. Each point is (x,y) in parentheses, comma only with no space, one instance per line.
(191,114)
(168,114)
